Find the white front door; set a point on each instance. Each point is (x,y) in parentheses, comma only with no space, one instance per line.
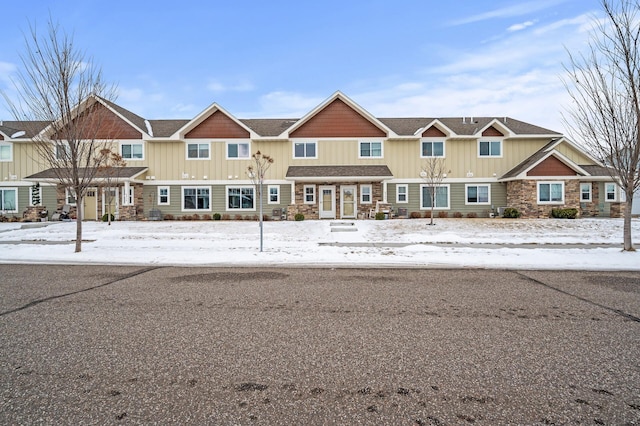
(327,202)
(348,208)
(110,202)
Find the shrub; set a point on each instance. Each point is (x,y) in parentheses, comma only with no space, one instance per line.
(379,216)
(206,217)
(196,216)
(168,217)
(186,217)
(216,216)
(443,215)
(298,217)
(511,213)
(457,215)
(105,217)
(414,215)
(564,213)
(238,217)
(472,215)
(226,217)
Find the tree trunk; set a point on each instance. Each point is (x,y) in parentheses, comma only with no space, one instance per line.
(628,243)
(79,214)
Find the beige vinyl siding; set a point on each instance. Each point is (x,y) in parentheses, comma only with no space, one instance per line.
(575,156)
(26,162)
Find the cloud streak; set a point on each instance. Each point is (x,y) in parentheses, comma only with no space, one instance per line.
(508,12)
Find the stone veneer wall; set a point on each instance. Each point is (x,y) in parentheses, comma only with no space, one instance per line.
(523,194)
(591,208)
(134,212)
(617,209)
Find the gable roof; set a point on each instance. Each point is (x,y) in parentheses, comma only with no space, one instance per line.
(204,115)
(124,173)
(335,173)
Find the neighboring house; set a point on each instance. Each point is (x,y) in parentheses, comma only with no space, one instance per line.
(338,161)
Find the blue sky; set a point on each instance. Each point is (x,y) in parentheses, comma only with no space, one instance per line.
(278,58)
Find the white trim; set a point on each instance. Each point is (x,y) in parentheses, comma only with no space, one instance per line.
(327,214)
(478,203)
(67,192)
(354,189)
(128,194)
(370,141)
(206,113)
(488,140)
(15,190)
(182,207)
(10,145)
(137,142)
(561,183)
(269,187)
(241,187)
(439,186)
(406,193)
(238,142)
(432,141)
(615,192)
(186,152)
(304,194)
(305,142)
(590,186)
(168,188)
(370,187)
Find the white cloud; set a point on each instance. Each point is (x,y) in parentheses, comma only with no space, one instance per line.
(509,12)
(242,86)
(521,26)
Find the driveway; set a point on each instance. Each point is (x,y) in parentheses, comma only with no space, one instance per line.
(136,345)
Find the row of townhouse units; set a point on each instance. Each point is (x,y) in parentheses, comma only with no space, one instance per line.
(338,161)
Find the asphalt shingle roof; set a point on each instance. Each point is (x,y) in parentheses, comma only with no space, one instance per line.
(123,172)
(338,171)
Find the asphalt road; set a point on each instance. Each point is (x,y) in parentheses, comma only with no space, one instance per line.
(132,345)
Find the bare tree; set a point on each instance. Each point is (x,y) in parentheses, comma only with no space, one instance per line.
(604,85)
(433,172)
(256,172)
(60,89)
(110,171)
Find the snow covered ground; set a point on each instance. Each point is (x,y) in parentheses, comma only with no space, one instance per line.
(584,244)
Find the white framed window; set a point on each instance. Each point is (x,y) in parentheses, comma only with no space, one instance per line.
(196,198)
(491,148)
(402,193)
(198,151)
(550,192)
(62,150)
(585,192)
(309,194)
(6,152)
(610,192)
(238,150)
(365,194)
(306,149)
(478,194)
(441,198)
(31,192)
(132,151)
(429,149)
(164,193)
(274,194)
(127,195)
(69,197)
(9,200)
(240,198)
(370,149)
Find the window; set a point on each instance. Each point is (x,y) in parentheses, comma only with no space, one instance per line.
(131,151)
(163,195)
(6,152)
(198,150)
(610,191)
(238,150)
(196,198)
(70,198)
(490,149)
(432,149)
(309,194)
(402,193)
(240,198)
(127,196)
(585,192)
(274,194)
(478,194)
(370,149)
(441,199)
(304,150)
(365,194)
(62,151)
(8,199)
(550,192)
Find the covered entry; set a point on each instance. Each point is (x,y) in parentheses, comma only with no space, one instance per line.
(337,192)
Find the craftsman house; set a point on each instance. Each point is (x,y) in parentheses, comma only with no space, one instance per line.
(338,161)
